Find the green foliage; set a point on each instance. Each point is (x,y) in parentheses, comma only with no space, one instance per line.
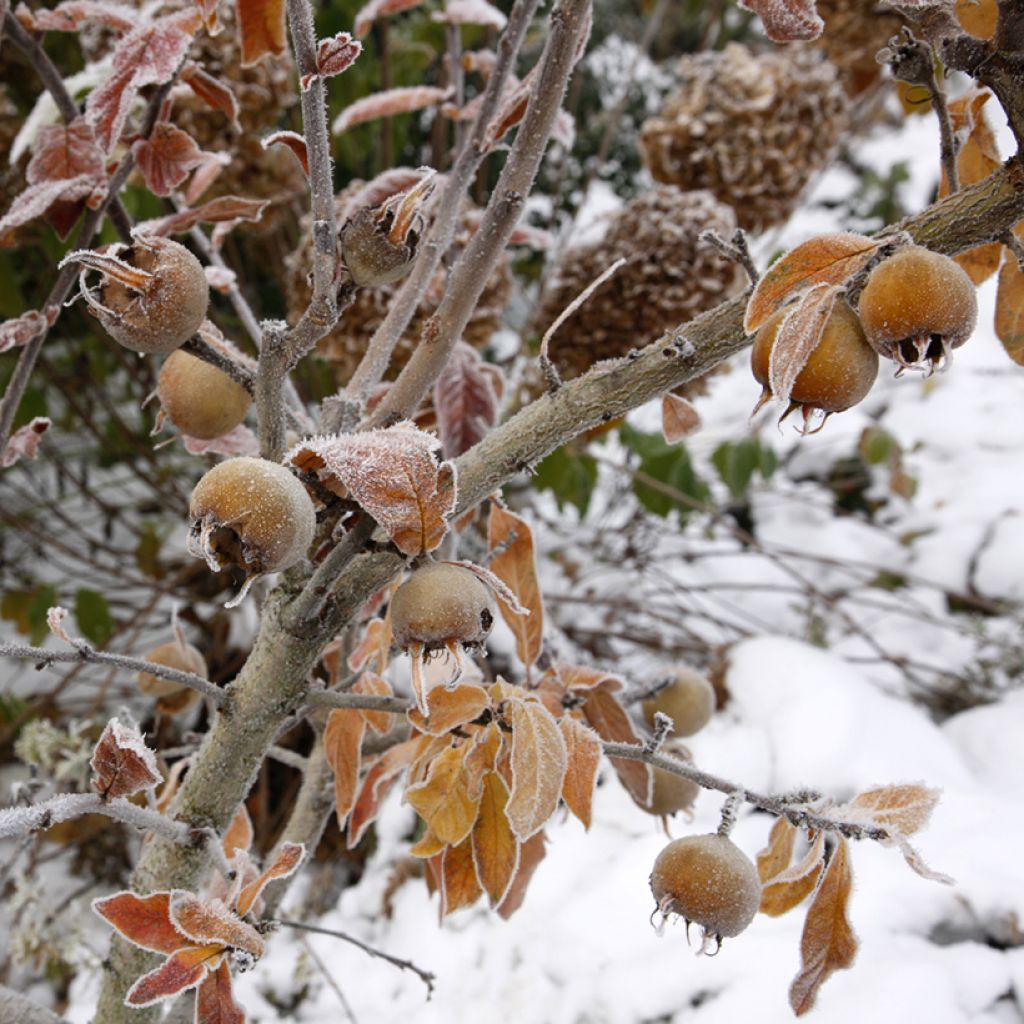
(668,464)
(570,476)
(93,615)
(738,461)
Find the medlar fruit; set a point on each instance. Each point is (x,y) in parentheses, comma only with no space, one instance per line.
(689,700)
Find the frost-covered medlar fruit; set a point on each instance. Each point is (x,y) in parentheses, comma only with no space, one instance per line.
(440,604)
(671,793)
(250,513)
(917,306)
(200,400)
(837,374)
(709,881)
(153,294)
(689,700)
(185,657)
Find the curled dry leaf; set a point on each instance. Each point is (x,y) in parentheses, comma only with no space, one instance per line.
(239,440)
(775,857)
(449,709)
(510,542)
(261,24)
(333,56)
(121,762)
(375,9)
(166,158)
(225,210)
(449,798)
(787,21)
(21,330)
(903,809)
(373,649)
(495,847)
(389,103)
(583,749)
(343,741)
(679,419)
(24,442)
(790,887)
(827,259)
(37,200)
(291,141)
(609,720)
(71,15)
(287,862)
(828,943)
(798,336)
(467,400)
(539,762)
(239,835)
(212,91)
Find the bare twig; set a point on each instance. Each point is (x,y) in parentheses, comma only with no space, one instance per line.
(288,757)
(329,978)
(364,701)
(736,250)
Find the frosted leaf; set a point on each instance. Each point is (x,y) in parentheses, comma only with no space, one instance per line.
(122,764)
(466,401)
(73,14)
(239,440)
(209,922)
(166,158)
(375,9)
(786,21)
(333,56)
(37,199)
(212,91)
(225,210)
(24,442)
(471,12)
(387,104)
(798,336)
(221,279)
(62,152)
(261,25)
(21,330)
(291,141)
(55,617)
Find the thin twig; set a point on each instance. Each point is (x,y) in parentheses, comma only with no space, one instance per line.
(362,701)
(329,978)
(737,250)
(288,757)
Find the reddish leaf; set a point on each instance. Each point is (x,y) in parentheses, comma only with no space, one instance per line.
(582,677)
(223,210)
(343,741)
(471,12)
(495,848)
(371,684)
(584,751)
(791,887)
(37,199)
(286,863)
(211,923)
(24,442)
(239,835)
(293,142)
(828,943)
(515,565)
(166,158)
(72,14)
(608,719)
(142,920)
(775,857)
(530,855)
(215,1002)
(1009,323)
(448,799)
(466,401)
(392,473)
(178,973)
(539,762)
(333,56)
(459,884)
(827,259)
(679,419)
(65,151)
(375,9)
(379,779)
(798,336)
(121,762)
(787,21)
(261,24)
(448,709)
(388,104)
(213,91)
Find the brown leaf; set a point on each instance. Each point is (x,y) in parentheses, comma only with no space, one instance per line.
(798,336)
(379,779)
(787,21)
(211,923)
(466,401)
(584,751)
(1009,323)
(531,853)
(24,442)
(791,887)
(121,762)
(335,55)
(448,799)
(372,649)
(459,884)
(903,808)
(21,330)
(495,848)
(775,857)
(239,835)
(293,142)
(583,677)
(404,100)
(286,863)
(343,741)
(65,151)
(428,845)
(450,708)
(166,158)
(261,24)
(212,91)
(178,973)
(516,566)
(227,210)
(375,9)
(373,685)
(539,762)
(393,474)
(827,259)
(215,1002)
(609,720)
(71,15)
(144,921)
(36,200)
(679,419)
(828,943)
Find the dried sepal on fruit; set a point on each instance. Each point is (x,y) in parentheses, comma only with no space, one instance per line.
(916,307)
(153,293)
(709,881)
(688,699)
(252,514)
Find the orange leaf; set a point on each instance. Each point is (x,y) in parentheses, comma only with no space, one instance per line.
(142,920)
(539,762)
(286,863)
(446,800)
(343,741)
(1010,309)
(775,857)
(450,708)
(373,646)
(459,884)
(798,336)
(212,923)
(261,24)
(609,720)
(516,566)
(790,887)
(531,853)
(584,749)
(121,762)
(828,943)
(215,1002)
(904,808)
(373,685)
(178,973)
(827,259)
(239,835)
(679,419)
(495,848)
(428,845)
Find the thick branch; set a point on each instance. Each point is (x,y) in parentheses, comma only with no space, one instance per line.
(18,1009)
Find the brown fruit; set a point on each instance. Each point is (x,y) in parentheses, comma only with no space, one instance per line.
(917,306)
(442,604)
(172,696)
(837,374)
(709,881)
(153,294)
(672,793)
(200,400)
(689,700)
(250,513)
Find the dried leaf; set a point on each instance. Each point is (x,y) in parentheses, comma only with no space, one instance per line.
(222,210)
(286,863)
(791,887)
(582,677)
(466,401)
(679,419)
(1009,322)
(583,746)
(798,336)
(471,12)
(333,56)
(787,21)
(428,845)
(121,762)
(531,853)
(446,800)
(917,864)
(178,973)
(609,720)
(828,943)
(261,24)
(448,709)
(36,200)
(387,104)
(775,857)
(21,330)
(215,1002)
(495,848)
(373,685)
(71,15)
(393,474)
(375,9)
(65,151)
(239,835)
(212,91)
(459,884)
(903,809)
(379,779)
(515,564)
(372,649)
(239,440)
(166,158)
(211,923)
(24,442)
(144,921)
(827,259)
(343,741)
(539,762)
(293,142)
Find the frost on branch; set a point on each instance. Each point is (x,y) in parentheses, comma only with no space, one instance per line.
(394,474)
(122,764)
